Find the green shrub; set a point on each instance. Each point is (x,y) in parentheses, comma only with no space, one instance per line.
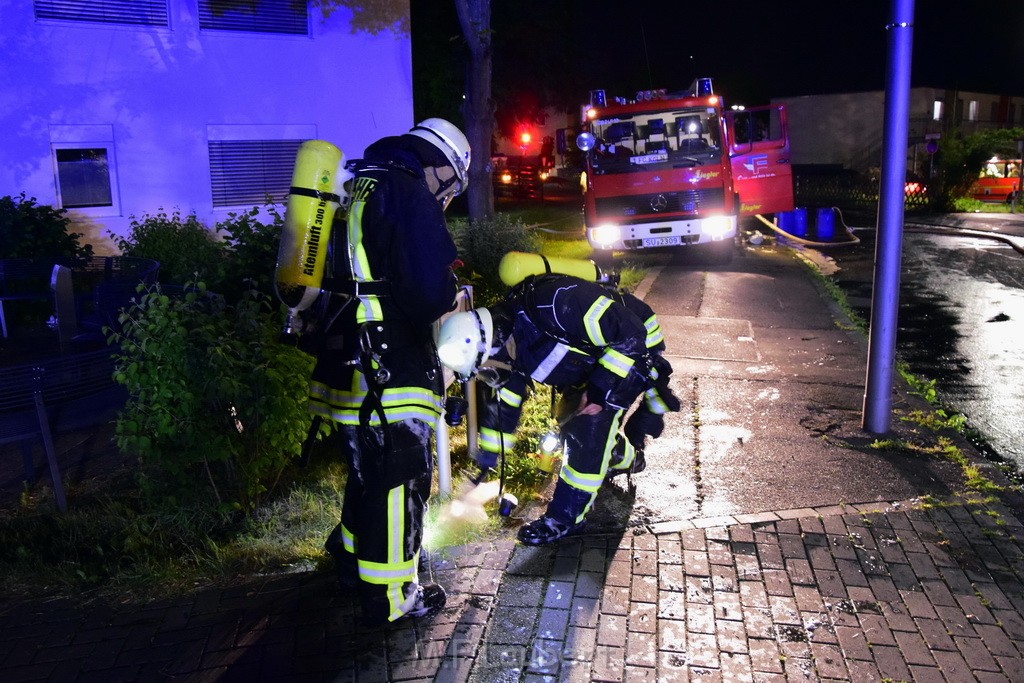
(217,406)
(30,230)
(185,248)
(481,245)
(251,257)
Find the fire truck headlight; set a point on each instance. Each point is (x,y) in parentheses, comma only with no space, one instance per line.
(716,226)
(506,177)
(605,235)
(585,141)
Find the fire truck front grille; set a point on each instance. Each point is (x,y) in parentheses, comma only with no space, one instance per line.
(687,201)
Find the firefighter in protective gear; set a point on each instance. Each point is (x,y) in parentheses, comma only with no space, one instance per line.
(377,375)
(649,417)
(575,336)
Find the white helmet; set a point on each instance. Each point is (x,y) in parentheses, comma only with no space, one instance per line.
(446,137)
(464,341)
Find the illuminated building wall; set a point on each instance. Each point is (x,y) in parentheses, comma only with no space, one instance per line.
(142,105)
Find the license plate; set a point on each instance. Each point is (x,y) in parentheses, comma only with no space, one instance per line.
(670,241)
(649,158)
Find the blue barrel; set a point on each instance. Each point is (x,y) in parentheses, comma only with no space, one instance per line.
(799,222)
(825,225)
(784,219)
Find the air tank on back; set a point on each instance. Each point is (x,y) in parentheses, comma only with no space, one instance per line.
(317,191)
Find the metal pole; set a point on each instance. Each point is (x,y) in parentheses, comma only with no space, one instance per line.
(889,244)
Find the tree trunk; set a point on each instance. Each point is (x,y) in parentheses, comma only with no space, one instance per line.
(478,108)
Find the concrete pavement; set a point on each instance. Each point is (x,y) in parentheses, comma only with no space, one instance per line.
(770,539)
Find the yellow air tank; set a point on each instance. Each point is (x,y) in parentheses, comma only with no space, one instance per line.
(516,266)
(315,195)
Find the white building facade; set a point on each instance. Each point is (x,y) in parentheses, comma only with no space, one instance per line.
(115,109)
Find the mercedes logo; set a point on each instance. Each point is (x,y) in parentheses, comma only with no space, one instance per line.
(659,202)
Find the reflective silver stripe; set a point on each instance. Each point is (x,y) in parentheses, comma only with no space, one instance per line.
(592,320)
(396,524)
(381,573)
(654,334)
(579,480)
(616,362)
(348,539)
(545,367)
(492,440)
(654,402)
(510,398)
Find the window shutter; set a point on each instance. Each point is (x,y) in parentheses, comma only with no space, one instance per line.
(257,16)
(133,12)
(244,172)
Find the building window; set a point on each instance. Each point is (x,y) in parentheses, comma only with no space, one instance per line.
(131,12)
(1011,113)
(255,16)
(937,110)
(972,110)
(247,172)
(85,177)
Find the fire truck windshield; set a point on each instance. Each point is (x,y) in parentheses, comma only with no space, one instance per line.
(656,140)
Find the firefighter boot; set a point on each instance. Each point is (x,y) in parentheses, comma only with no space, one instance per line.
(545,530)
(430,599)
(345,565)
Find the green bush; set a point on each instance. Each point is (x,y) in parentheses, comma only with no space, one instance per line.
(251,257)
(185,248)
(30,230)
(481,245)
(217,406)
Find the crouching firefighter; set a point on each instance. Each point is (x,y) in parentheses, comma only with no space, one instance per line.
(649,417)
(376,373)
(575,336)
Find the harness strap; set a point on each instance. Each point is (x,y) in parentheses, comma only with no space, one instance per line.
(357,288)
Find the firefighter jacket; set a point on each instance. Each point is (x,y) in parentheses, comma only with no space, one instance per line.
(658,397)
(391,266)
(567,333)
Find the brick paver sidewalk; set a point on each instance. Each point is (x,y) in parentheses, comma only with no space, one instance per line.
(855,593)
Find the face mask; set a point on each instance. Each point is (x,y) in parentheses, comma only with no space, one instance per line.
(440,180)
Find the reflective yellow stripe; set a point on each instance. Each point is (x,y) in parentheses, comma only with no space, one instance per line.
(510,398)
(580,480)
(616,362)
(590,483)
(348,539)
(654,402)
(399,403)
(654,335)
(386,572)
(492,441)
(592,320)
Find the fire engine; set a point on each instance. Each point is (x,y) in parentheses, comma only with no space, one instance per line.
(678,169)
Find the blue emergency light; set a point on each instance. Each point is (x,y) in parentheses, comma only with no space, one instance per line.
(702,87)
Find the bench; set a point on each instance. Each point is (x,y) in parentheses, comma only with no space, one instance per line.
(56,395)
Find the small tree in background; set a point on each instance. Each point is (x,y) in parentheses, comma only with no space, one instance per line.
(961,157)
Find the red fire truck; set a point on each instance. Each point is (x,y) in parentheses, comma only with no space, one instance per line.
(677,169)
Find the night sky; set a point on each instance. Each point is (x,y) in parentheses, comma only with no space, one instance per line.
(753,50)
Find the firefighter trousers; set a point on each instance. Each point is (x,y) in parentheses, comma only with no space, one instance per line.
(382,514)
(591,446)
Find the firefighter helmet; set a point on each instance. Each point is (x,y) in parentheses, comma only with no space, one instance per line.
(464,341)
(450,141)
